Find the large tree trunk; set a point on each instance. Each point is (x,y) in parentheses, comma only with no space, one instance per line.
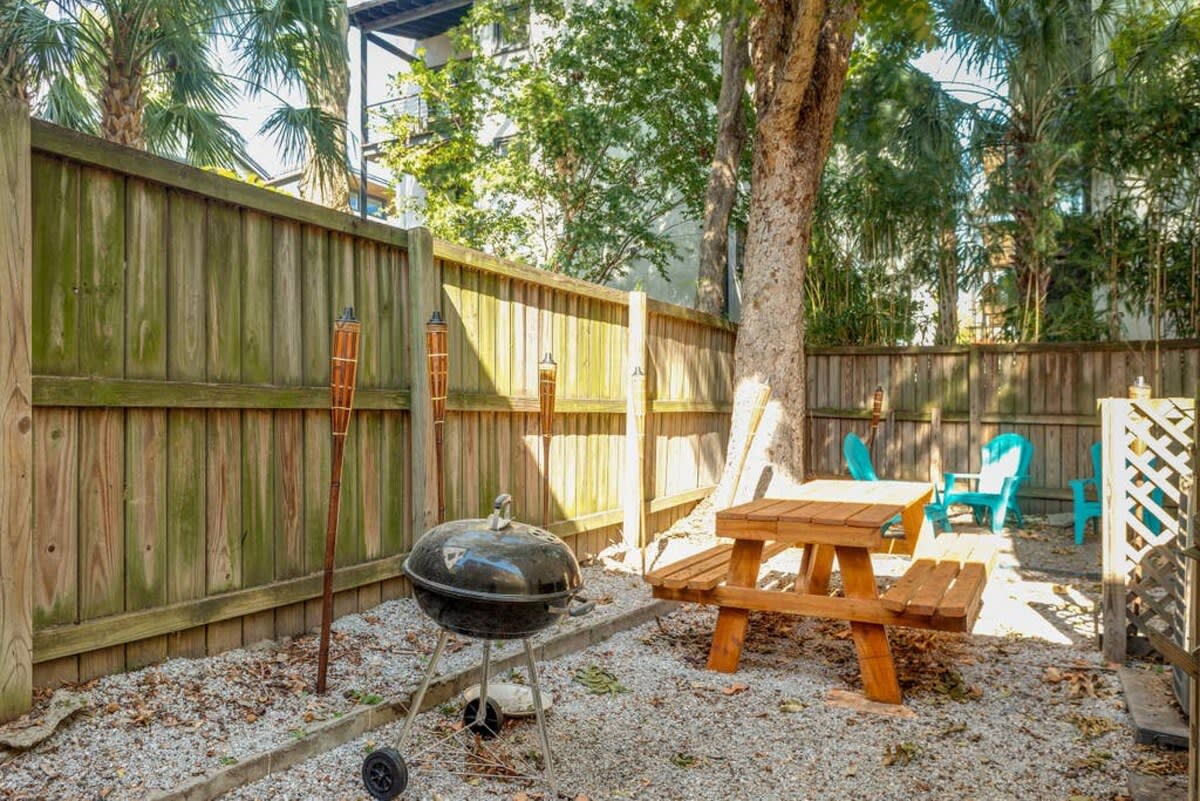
(321,181)
(721,193)
(800,52)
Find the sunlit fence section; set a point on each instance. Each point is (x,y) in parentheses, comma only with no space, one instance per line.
(942,403)
(175,458)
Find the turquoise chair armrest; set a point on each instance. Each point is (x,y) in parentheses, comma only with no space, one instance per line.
(953,478)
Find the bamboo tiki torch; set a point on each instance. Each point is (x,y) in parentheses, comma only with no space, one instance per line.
(876,408)
(343,374)
(439,372)
(547,378)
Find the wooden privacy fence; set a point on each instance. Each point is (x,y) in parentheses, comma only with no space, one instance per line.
(165,494)
(943,403)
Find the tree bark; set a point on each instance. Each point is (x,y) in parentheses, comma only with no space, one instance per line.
(800,52)
(329,90)
(947,297)
(122,99)
(721,193)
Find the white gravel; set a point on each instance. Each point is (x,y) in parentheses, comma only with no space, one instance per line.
(681,732)
(1023,709)
(155,728)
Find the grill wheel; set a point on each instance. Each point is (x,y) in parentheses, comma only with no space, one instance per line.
(384,774)
(493,719)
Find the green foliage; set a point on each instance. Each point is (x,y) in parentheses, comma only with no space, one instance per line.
(606,137)
(895,190)
(1140,125)
(148,72)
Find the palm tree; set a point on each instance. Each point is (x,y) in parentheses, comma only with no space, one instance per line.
(149,73)
(1041,50)
(893,204)
(33,47)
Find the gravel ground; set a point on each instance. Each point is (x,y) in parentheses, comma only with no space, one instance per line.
(154,728)
(1021,709)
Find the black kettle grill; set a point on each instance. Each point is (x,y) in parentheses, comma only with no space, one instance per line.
(492,579)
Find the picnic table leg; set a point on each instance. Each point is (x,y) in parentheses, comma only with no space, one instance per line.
(815,567)
(918,531)
(870,639)
(730,634)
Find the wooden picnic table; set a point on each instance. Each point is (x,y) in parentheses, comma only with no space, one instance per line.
(828,519)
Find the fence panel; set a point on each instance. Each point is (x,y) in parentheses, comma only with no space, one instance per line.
(180,362)
(1047,393)
(1148,493)
(180,432)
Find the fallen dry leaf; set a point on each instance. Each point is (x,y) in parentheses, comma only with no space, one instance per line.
(735,688)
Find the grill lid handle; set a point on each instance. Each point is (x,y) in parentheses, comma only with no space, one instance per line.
(501,512)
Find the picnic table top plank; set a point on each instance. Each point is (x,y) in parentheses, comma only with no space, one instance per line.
(776,511)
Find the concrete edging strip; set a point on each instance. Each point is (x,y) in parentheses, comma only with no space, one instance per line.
(333,733)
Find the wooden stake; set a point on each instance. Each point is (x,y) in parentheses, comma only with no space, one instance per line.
(756,414)
(637,383)
(547,380)
(343,376)
(439,372)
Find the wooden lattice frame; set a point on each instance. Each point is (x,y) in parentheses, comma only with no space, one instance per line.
(1149,451)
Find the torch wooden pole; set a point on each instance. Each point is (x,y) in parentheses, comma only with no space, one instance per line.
(876,409)
(343,375)
(547,385)
(439,373)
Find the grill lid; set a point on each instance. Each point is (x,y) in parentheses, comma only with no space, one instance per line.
(495,559)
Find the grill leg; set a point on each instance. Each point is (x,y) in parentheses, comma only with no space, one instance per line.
(481,711)
(541,719)
(415,707)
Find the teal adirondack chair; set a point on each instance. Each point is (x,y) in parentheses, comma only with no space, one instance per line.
(1005,465)
(858,460)
(1086,509)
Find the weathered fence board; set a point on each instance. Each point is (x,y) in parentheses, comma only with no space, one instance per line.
(17,465)
(1048,393)
(180,365)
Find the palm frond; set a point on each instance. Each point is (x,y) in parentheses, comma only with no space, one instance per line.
(65,103)
(297,130)
(198,136)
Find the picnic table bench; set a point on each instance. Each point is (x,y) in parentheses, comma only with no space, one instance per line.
(941,590)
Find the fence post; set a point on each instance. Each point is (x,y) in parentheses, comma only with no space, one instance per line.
(1192,582)
(635,414)
(16,413)
(424,296)
(1113,493)
(974,407)
(935,445)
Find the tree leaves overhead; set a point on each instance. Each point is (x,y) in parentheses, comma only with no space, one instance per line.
(578,155)
(150,73)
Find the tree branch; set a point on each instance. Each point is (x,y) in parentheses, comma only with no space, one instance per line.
(796,68)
